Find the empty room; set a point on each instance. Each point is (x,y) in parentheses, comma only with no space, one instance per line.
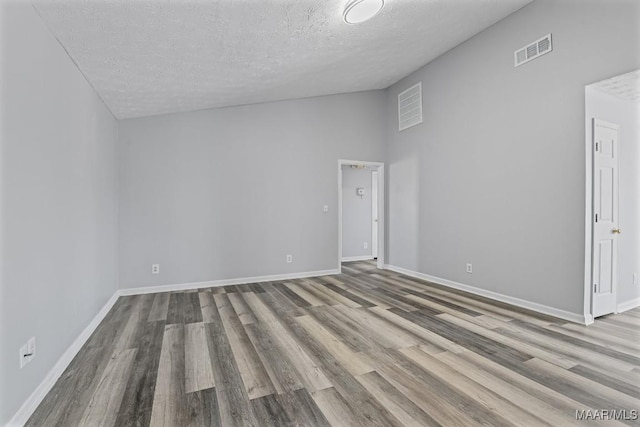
(319,212)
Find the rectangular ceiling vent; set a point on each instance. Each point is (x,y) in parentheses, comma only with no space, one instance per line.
(410,107)
(533,50)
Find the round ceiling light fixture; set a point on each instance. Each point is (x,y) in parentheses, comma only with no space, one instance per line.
(357,11)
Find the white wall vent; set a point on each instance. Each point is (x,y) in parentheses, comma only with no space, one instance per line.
(410,107)
(533,50)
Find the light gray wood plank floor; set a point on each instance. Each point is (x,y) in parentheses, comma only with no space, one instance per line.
(367,347)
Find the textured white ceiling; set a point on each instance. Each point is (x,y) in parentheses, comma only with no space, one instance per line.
(625,86)
(153,57)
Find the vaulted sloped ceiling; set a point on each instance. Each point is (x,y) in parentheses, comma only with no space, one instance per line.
(162,56)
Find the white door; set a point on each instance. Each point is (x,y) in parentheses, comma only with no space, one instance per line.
(605,221)
(374,216)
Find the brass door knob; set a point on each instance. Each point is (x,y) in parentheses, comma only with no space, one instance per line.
(616,231)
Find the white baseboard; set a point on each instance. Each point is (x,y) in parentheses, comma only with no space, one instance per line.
(628,305)
(225,282)
(32,402)
(544,309)
(588,319)
(357,258)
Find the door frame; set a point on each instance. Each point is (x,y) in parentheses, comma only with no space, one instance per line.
(374,209)
(589,215)
(381,219)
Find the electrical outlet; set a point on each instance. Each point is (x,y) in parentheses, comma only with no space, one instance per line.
(366,245)
(326,208)
(470,268)
(27,352)
(635,278)
(155,268)
(289,259)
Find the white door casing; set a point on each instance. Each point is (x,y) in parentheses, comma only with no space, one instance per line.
(605,217)
(374,215)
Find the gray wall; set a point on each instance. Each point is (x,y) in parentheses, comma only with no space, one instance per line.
(627,114)
(356,212)
(58,213)
(495,175)
(227,193)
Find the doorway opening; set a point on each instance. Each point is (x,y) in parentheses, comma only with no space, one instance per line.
(360,212)
(612,220)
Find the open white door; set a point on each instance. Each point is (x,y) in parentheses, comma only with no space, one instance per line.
(374,214)
(605,221)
